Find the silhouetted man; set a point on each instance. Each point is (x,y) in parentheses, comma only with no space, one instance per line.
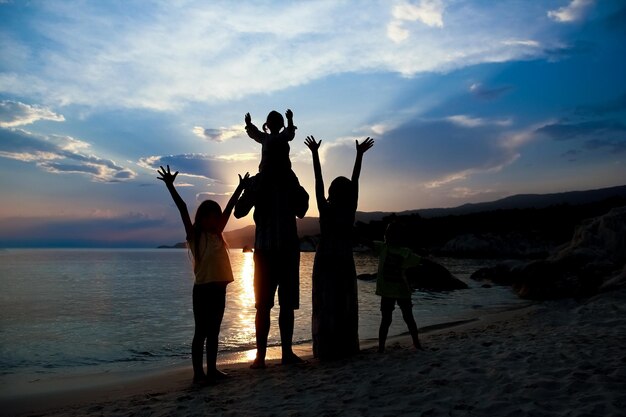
(276,258)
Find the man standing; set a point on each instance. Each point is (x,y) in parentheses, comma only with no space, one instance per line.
(276,258)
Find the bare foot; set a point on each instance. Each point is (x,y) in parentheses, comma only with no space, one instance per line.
(201,380)
(219,375)
(258,364)
(291,359)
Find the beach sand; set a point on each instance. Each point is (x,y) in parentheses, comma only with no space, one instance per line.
(562,358)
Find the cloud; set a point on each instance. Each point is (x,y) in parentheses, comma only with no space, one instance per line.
(599,129)
(467,121)
(205,166)
(219,134)
(429,12)
(573,12)
(102,228)
(208,195)
(614,146)
(60,154)
(15,113)
(487,93)
(522,42)
(191,52)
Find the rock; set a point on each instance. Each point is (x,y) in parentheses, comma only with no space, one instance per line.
(431,276)
(503,273)
(590,261)
(491,245)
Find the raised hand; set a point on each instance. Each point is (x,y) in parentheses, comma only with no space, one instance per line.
(247,118)
(289,114)
(312,144)
(362,147)
(166,176)
(245,181)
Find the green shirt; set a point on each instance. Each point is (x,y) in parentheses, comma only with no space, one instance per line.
(393,262)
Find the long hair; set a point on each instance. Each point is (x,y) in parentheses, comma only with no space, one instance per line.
(205,209)
(274,119)
(341,194)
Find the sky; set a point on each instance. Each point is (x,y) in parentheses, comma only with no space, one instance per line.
(467,101)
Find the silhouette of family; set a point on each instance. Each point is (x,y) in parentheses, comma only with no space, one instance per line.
(278,198)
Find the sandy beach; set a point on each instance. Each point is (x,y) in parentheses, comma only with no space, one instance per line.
(563,358)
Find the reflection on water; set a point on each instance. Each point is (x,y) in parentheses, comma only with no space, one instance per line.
(65,309)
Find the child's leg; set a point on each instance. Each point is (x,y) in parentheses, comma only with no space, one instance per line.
(217,303)
(200,332)
(386,309)
(407,314)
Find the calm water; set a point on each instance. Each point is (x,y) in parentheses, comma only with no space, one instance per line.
(68,310)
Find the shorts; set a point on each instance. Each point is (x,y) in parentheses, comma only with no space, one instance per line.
(388,304)
(274,270)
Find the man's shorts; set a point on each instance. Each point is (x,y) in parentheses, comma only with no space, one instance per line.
(388,304)
(277,270)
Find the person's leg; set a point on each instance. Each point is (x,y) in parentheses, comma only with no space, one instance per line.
(286,323)
(407,314)
(262,324)
(386,310)
(264,290)
(200,333)
(217,304)
(286,267)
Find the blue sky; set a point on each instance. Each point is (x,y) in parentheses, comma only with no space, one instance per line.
(468,101)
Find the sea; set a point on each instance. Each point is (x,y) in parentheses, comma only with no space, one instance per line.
(65,311)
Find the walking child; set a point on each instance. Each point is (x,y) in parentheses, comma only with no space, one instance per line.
(392,284)
(212,271)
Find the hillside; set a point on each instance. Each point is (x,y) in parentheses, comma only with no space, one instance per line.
(309,226)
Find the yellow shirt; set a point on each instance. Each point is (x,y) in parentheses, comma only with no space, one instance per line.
(211,263)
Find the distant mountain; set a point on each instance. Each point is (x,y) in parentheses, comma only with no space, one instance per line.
(309,226)
(518,201)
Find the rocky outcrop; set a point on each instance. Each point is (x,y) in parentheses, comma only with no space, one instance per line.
(503,273)
(492,245)
(432,276)
(428,276)
(592,261)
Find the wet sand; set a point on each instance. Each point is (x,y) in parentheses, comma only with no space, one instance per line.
(563,358)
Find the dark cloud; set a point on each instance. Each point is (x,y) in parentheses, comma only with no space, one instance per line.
(613,145)
(59,154)
(15,113)
(487,93)
(576,48)
(596,129)
(571,155)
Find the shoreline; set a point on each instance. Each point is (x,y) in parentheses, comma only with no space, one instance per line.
(81,389)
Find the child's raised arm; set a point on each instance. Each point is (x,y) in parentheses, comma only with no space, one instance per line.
(317,169)
(168,178)
(361,148)
(243,182)
(290,131)
(253,131)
